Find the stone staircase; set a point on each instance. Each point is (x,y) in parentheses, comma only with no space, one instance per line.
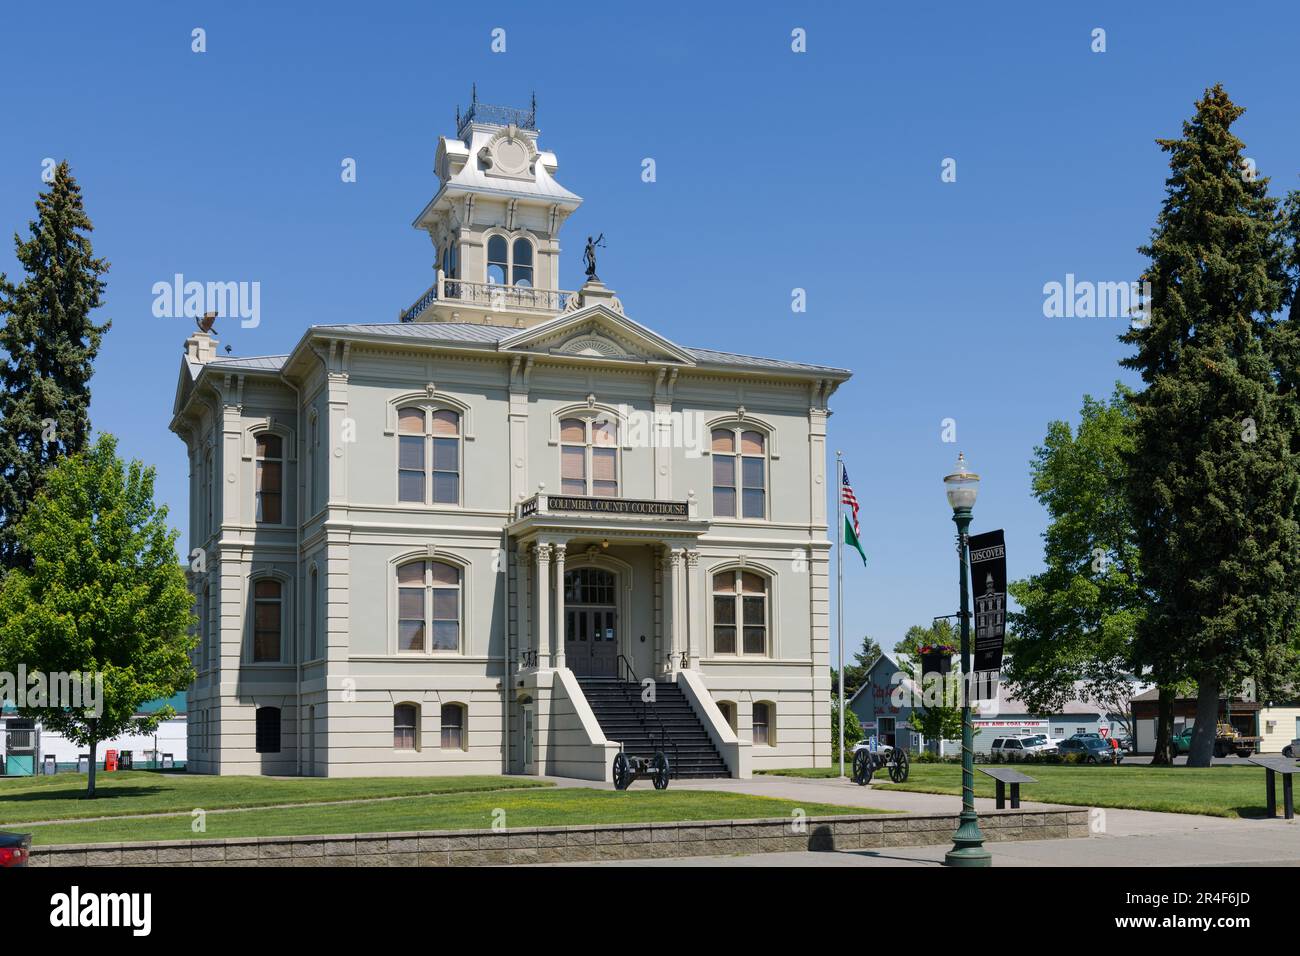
(668,723)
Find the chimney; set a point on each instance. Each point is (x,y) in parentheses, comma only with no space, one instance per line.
(201,347)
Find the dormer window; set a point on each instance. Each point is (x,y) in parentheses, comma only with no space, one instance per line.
(510,263)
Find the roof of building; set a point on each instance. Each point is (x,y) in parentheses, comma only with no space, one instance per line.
(461,334)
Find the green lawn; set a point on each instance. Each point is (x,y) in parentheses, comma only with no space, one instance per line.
(523,808)
(62,796)
(1214,791)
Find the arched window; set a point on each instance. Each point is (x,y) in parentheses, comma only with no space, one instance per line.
(589,457)
(428,456)
(739,473)
(764,726)
(270,478)
(498,269)
(728,712)
(406,727)
(739,605)
(522,267)
(453,727)
(451,261)
(268,620)
(268,730)
(428,606)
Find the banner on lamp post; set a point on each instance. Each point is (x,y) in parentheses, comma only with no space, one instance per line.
(988,575)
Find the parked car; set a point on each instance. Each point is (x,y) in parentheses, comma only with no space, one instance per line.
(1292,749)
(1092,749)
(15,849)
(1045,743)
(1017,748)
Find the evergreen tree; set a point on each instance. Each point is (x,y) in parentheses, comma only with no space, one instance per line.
(48,343)
(855,671)
(1212,476)
(105,596)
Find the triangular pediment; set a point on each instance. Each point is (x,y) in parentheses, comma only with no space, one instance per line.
(597,332)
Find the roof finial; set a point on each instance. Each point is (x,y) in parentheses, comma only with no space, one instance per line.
(473,95)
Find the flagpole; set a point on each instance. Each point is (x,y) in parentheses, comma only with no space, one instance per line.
(839,588)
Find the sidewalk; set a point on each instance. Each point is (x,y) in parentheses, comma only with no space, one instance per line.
(1126,838)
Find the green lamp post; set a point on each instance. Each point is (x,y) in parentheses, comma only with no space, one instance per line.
(967,843)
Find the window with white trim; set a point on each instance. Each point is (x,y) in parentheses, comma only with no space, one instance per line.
(453,727)
(406,727)
(589,457)
(270,478)
(739,613)
(764,732)
(510,263)
(428,607)
(428,455)
(739,473)
(268,620)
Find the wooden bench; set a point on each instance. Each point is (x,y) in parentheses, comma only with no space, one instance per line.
(1003,776)
(1287,768)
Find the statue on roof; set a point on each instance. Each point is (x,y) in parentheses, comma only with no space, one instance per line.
(589,254)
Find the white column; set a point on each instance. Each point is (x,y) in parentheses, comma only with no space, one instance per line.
(559,605)
(543,605)
(694,608)
(672,611)
(523,566)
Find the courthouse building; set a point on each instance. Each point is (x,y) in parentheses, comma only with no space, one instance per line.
(461,541)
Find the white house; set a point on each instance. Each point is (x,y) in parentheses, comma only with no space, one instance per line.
(448,543)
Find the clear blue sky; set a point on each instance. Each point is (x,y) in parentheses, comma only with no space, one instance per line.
(776,170)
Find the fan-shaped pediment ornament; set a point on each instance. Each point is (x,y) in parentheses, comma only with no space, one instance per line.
(593,345)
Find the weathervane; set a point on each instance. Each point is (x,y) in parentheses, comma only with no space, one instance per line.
(205,321)
(589,254)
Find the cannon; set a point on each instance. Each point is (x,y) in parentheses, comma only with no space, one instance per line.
(627,769)
(867,760)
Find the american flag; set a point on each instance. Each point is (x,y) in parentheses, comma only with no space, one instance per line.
(848,497)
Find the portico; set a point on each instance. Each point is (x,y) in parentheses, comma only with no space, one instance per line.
(607,587)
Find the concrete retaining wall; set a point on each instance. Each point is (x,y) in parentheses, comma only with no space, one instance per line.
(571,844)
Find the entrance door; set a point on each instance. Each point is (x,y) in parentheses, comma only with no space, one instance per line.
(590,622)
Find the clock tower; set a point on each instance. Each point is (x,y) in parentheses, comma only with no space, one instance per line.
(494,222)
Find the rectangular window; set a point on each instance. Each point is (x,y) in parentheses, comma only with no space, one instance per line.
(410,455)
(267,618)
(270,478)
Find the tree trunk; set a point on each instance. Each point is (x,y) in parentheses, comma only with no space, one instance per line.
(1207,722)
(90,784)
(1163,752)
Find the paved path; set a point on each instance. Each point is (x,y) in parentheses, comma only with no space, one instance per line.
(1124,838)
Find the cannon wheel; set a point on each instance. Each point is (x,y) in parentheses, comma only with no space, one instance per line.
(659,769)
(899,765)
(622,771)
(862,768)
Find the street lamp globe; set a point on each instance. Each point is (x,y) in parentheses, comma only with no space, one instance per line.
(961,486)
